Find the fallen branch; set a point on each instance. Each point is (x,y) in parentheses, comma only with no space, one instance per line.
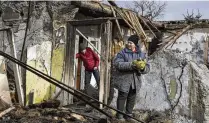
(177,36)
(6,111)
(173,40)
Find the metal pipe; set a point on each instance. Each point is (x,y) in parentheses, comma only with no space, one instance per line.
(57,83)
(49,80)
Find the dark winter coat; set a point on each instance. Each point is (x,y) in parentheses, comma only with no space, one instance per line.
(124,74)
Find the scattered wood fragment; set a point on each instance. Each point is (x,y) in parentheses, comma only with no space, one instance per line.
(78,117)
(6,111)
(86,115)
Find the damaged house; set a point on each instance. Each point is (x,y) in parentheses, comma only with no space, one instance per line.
(46,36)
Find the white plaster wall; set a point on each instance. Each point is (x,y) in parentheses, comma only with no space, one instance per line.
(191,44)
(168,65)
(4,86)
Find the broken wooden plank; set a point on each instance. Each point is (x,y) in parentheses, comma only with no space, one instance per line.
(86,115)
(104,65)
(72,65)
(69,64)
(177,36)
(108,38)
(6,111)
(95,21)
(18,79)
(78,117)
(118,25)
(172,40)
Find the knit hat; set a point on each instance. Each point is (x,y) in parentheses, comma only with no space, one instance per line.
(82,47)
(134,39)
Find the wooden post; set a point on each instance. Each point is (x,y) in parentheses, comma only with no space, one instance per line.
(18,79)
(104,65)
(69,63)
(77,64)
(206,51)
(108,27)
(72,63)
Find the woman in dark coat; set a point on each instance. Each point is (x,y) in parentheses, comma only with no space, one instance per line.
(130,63)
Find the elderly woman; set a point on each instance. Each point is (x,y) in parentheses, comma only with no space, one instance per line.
(130,63)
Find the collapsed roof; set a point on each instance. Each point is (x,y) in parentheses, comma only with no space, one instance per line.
(98,10)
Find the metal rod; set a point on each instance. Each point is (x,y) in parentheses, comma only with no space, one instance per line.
(49,80)
(58,83)
(77,91)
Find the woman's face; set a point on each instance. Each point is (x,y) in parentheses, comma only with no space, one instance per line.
(130,45)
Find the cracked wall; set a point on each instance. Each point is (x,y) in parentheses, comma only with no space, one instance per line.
(172,86)
(191,44)
(47,23)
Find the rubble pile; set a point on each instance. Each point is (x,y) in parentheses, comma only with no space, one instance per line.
(45,112)
(76,113)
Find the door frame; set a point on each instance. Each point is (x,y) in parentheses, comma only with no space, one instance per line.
(106,38)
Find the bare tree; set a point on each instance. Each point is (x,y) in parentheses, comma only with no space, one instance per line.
(149,9)
(190,18)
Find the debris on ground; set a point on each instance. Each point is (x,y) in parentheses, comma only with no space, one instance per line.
(49,111)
